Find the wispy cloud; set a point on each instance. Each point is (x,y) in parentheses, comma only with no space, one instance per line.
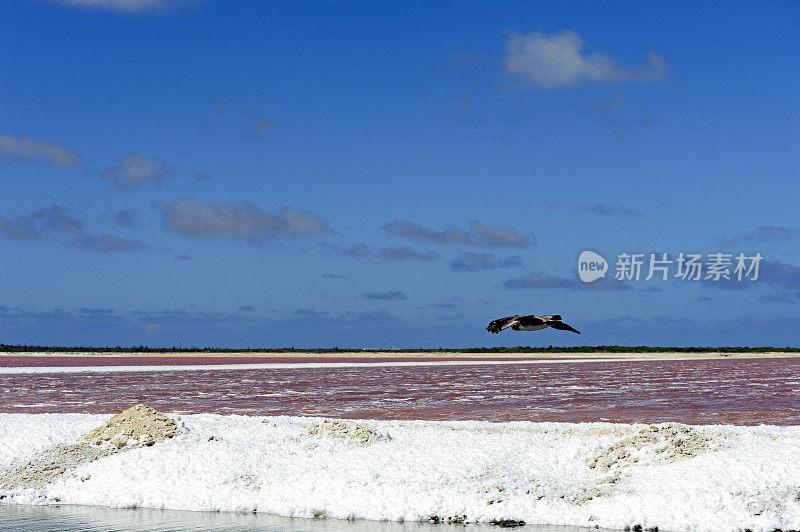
(367,317)
(29,150)
(464,57)
(135,170)
(258,121)
(127,6)
(96,311)
(110,243)
(517,112)
(56,224)
(42,222)
(461,105)
(544,280)
(779,297)
(604,209)
(258,126)
(334,276)
(471,261)
(477,235)
(254,120)
(771,273)
(311,313)
(539,280)
(402,253)
(450,302)
(762,235)
(126,218)
(650,290)
(550,61)
(188,217)
(780,274)
(391,295)
(359,250)
(615,115)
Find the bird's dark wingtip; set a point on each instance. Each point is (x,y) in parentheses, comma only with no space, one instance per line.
(493,327)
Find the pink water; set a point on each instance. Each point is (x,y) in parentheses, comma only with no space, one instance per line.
(738,391)
(72,361)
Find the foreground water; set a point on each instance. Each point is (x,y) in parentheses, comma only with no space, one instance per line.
(18,518)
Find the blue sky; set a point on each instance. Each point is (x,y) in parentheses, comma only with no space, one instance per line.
(368,174)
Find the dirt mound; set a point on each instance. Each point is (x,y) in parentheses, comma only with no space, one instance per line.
(39,472)
(353,432)
(140,426)
(665,442)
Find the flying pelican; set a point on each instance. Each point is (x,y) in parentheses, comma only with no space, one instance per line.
(529,323)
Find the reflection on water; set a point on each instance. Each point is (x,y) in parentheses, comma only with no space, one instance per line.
(19,518)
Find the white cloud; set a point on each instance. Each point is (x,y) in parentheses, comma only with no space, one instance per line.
(134,170)
(29,150)
(557,60)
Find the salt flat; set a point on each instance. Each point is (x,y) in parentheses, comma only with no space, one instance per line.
(674,476)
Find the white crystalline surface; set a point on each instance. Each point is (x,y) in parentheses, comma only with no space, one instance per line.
(675,477)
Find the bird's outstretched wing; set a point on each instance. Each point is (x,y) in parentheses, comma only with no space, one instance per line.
(495,326)
(551,317)
(558,324)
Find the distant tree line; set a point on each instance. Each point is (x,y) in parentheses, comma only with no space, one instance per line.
(519,349)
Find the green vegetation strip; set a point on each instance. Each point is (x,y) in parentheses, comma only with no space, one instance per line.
(519,349)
